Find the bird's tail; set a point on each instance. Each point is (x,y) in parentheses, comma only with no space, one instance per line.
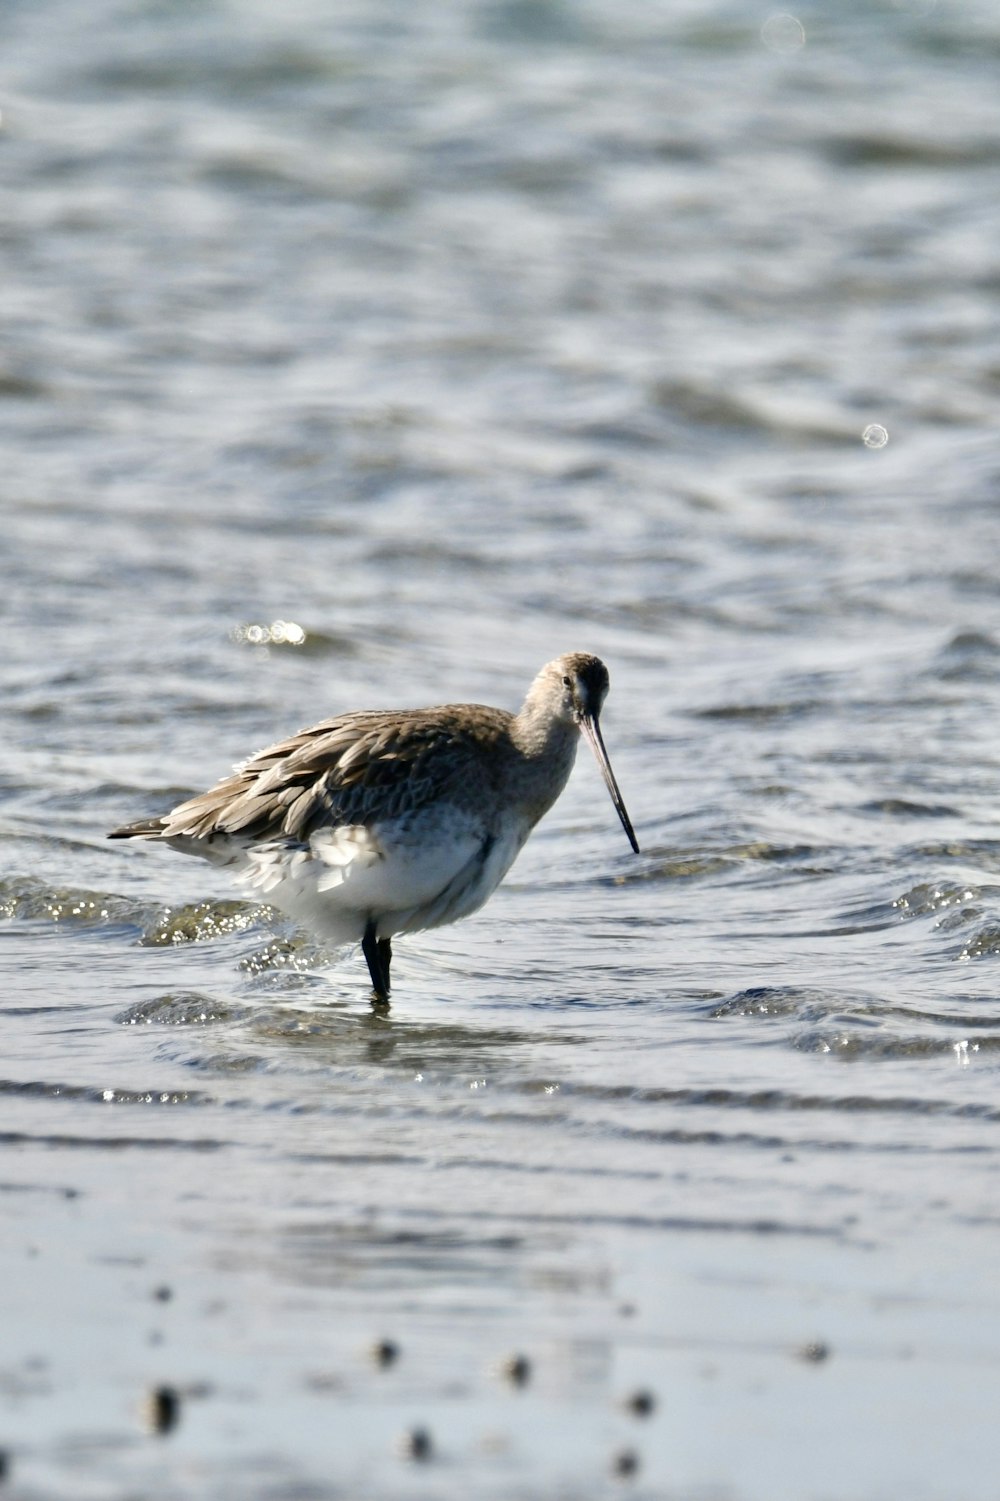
(146,828)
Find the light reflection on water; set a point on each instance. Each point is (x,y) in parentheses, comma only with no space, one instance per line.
(375,358)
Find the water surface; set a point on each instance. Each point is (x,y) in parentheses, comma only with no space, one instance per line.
(458,337)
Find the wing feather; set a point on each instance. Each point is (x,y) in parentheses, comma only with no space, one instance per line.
(354,770)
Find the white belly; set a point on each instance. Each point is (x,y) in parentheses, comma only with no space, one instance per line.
(403,876)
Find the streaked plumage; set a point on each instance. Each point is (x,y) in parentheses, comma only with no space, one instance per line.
(384,822)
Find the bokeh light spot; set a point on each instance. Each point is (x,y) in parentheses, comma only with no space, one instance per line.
(783,33)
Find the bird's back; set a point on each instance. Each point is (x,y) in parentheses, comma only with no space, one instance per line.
(356,769)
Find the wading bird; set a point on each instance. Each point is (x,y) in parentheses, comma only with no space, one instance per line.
(391,821)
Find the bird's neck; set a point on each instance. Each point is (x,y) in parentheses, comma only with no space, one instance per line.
(536,731)
(546,749)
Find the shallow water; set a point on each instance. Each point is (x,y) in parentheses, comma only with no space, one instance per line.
(459,337)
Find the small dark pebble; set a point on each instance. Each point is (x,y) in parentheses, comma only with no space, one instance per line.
(640,1404)
(516,1369)
(162,1409)
(415,1444)
(815,1351)
(384,1352)
(625,1463)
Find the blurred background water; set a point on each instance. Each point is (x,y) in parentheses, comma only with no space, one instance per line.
(363,355)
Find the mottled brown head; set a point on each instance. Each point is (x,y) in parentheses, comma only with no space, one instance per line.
(572,686)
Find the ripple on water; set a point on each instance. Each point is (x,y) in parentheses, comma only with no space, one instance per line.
(28,898)
(287,956)
(200,922)
(691,862)
(970,656)
(929,897)
(981,854)
(984,942)
(181,1008)
(39,1089)
(763,713)
(863,1026)
(902,807)
(764,1000)
(104,1099)
(952,904)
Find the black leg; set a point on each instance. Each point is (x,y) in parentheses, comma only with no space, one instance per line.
(385,958)
(372,950)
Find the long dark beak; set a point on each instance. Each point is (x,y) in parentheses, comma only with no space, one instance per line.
(592,729)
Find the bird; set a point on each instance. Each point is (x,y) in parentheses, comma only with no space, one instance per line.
(384,822)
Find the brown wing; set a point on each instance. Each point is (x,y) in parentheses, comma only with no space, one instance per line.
(355,769)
